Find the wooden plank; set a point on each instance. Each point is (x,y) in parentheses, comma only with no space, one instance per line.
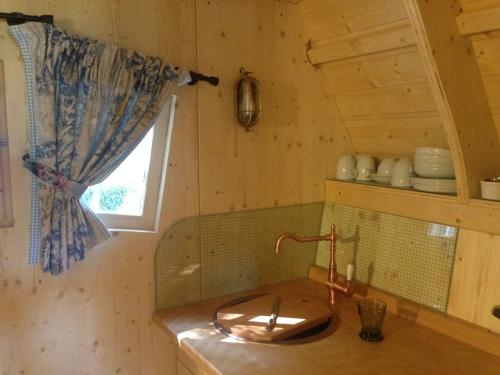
(479,17)
(300,124)
(475,286)
(395,67)
(478,215)
(423,206)
(396,134)
(394,146)
(386,37)
(428,125)
(488,55)
(415,97)
(448,325)
(328,19)
(456,82)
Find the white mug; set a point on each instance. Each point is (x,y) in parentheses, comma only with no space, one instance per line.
(402,167)
(365,167)
(386,166)
(401,173)
(346,168)
(401,181)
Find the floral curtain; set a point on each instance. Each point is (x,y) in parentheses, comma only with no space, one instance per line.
(90,104)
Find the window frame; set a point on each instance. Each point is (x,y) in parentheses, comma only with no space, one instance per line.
(158,165)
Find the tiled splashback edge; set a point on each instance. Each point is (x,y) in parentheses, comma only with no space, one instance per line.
(204,257)
(209,256)
(407,257)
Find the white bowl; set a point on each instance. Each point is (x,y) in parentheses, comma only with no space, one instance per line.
(433,159)
(490,190)
(434,170)
(432,151)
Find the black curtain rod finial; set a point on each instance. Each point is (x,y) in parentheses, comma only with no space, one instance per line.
(196,77)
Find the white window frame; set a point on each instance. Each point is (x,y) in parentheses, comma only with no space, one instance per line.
(153,199)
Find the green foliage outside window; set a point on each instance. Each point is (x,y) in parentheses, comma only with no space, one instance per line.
(112,198)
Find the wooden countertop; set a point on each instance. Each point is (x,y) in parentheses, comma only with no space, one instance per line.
(408,348)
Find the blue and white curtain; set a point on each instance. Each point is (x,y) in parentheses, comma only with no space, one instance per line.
(90,104)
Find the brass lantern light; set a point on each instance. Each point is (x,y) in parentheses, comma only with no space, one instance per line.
(248,100)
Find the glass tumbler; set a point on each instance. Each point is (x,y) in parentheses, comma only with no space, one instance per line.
(372,313)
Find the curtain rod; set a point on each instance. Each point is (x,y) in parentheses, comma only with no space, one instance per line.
(15,18)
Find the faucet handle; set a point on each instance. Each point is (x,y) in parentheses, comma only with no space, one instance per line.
(345,288)
(350,272)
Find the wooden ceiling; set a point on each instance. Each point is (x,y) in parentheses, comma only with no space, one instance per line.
(368,52)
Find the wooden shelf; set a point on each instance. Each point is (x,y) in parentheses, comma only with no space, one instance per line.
(479,215)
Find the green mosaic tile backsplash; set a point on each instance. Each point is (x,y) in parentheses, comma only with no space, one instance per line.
(407,257)
(209,256)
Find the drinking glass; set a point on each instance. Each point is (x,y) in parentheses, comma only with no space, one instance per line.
(372,313)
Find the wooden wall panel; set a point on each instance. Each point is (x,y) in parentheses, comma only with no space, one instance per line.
(368,54)
(328,19)
(365,87)
(481,20)
(96,319)
(282,160)
(475,286)
(392,68)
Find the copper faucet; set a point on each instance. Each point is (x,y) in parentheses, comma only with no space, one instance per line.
(333,284)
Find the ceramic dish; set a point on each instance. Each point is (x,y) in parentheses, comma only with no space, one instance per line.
(435,181)
(432,151)
(432,159)
(434,170)
(381,178)
(433,189)
(490,189)
(435,185)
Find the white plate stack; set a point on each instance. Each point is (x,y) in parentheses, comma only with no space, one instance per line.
(434,167)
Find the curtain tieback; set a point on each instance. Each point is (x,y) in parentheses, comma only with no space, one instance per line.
(53,178)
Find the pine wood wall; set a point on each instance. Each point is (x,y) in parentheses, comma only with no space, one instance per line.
(368,53)
(97,318)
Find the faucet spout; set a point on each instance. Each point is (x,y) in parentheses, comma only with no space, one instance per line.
(333,284)
(296,238)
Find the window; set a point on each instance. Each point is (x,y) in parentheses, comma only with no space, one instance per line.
(131,197)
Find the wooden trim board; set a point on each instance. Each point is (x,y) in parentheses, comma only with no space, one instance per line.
(483,18)
(458,329)
(383,38)
(479,215)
